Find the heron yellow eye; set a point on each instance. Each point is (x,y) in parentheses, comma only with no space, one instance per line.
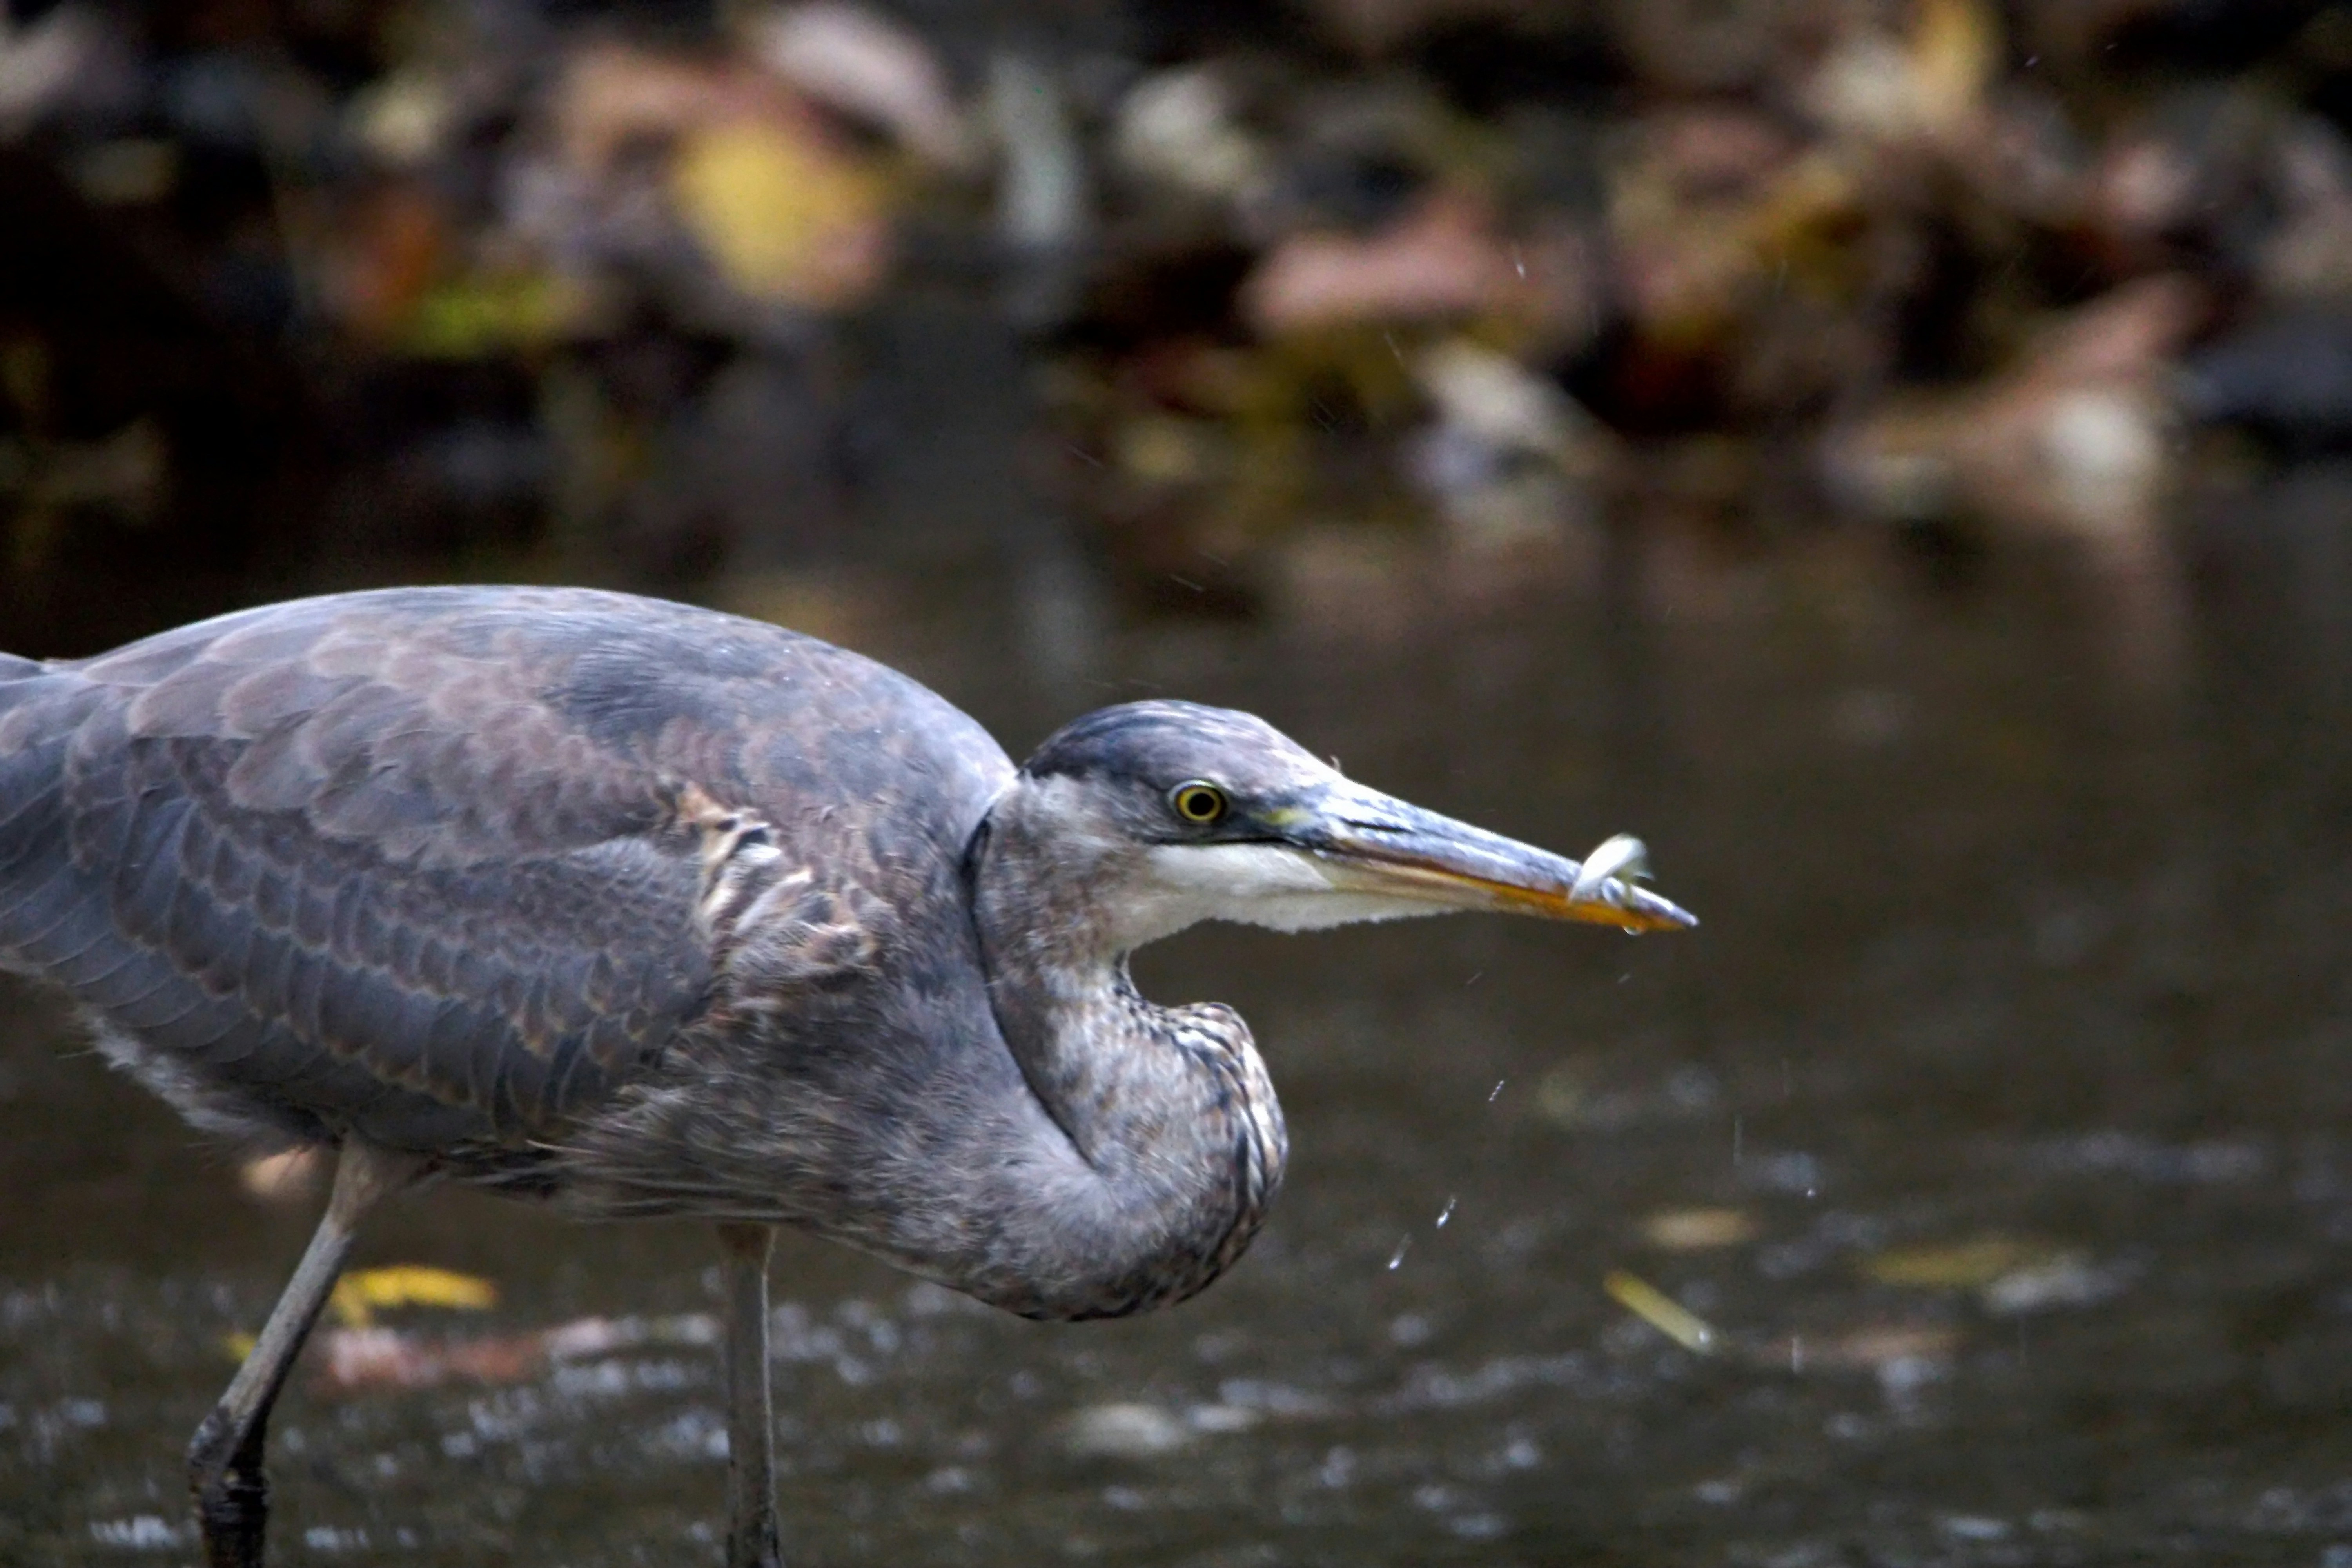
(1198,803)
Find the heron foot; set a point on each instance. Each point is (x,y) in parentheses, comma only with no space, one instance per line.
(225,1459)
(232,1492)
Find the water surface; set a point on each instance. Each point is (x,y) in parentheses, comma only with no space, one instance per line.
(2010,1064)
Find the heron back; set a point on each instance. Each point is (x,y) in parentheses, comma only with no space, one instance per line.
(432,864)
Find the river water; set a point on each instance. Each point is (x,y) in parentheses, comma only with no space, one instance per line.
(1995,1122)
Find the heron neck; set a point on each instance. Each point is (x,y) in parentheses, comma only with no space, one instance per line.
(1169,1108)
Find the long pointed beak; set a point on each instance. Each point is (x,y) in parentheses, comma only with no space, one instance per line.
(1378,844)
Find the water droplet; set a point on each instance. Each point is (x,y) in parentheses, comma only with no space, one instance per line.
(1445,1214)
(1396,1258)
(1496,1090)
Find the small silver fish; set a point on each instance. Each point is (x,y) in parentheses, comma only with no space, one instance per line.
(1621,857)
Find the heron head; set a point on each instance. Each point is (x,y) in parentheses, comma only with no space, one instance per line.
(1167,813)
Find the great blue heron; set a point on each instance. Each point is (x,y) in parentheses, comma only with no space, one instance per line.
(649,911)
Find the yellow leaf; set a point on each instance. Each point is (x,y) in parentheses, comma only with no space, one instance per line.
(1954,54)
(784,217)
(471,317)
(238,1346)
(1953,1267)
(1695,1231)
(1660,1311)
(359,1296)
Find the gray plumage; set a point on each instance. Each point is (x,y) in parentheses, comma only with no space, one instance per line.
(650,911)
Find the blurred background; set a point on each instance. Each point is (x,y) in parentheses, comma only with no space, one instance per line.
(1890,454)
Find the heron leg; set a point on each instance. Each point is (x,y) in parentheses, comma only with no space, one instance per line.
(225,1459)
(753,1538)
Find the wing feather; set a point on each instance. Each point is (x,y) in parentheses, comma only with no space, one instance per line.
(414,862)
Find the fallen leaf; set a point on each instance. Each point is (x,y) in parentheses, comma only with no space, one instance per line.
(1697,1230)
(1866,1347)
(1442,259)
(1128,1429)
(368,1361)
(1660,1311)
(1951,1266)
(864,64)
(2062,1279)
(359,1296)
(784,216)
(475,317)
